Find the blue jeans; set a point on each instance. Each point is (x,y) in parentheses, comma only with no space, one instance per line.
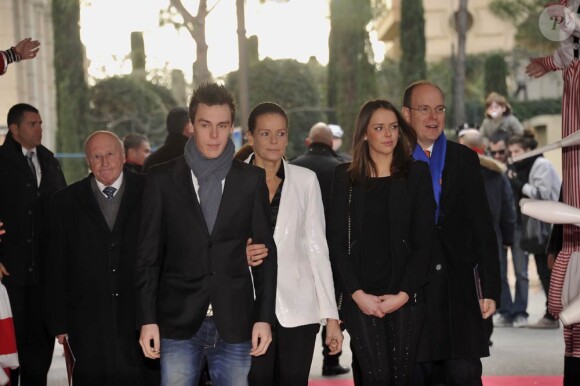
(518,306)
(182,360)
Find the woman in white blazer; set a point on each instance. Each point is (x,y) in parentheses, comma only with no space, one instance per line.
(305,296)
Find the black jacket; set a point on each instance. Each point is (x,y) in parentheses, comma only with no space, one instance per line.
(90,284)
(464,239)
(172,148)
(24,212)
(181,267)
(411,222)
(322,160)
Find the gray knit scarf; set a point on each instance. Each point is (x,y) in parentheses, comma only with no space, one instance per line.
(209,174)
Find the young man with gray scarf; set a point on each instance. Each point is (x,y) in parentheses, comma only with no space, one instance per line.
(198,300)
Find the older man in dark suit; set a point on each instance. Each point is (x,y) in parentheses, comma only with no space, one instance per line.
(198,299)
(29,175)
(464,279)
(90,290)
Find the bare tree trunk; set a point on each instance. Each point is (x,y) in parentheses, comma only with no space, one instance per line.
(244,96)
(196,27)
(459,68)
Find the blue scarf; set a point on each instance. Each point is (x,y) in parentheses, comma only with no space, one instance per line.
(436,164)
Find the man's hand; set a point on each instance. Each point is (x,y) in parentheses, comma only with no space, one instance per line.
(27,48)
(3,271)
(487,307)
(255,253)
(391,303)
(261,338)
(334,336)
(368,304)
(2,230)
(150,332)
(535,68)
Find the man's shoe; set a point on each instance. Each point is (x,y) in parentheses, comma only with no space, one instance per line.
(329,371)
(502,321)
(545,323)
(520,321)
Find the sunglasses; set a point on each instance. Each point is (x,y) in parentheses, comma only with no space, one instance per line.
(498,152)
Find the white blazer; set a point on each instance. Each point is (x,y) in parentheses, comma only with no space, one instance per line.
(305,290)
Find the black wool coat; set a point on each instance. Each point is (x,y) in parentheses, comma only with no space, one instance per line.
(90,287)
(24,212)
(464,239)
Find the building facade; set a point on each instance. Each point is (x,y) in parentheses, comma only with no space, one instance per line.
(30,81)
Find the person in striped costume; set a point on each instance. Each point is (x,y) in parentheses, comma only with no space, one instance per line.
(567,59)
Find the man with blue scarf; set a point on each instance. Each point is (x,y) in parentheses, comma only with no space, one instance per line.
(464,276)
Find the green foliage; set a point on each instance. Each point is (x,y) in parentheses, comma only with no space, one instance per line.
(137,51)
(389,82)
(524,14)
(72,101)
(351,71)
(131,104)
(495,74)
(528,109)
(412,41)
(291,85)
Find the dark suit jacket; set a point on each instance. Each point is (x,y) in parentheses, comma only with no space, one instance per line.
(24,211)
(322,160)
(181,268)
(411,222)
(464,238)
(172,148)
(90,293)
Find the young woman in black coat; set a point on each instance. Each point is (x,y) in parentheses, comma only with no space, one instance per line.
(380,237)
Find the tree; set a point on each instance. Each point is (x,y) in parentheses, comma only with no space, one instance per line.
(131,104)
(195,25)
(290,84)
(459,66)
(351,71)
(72,100)
(495,74)
(524,14)
(412,41)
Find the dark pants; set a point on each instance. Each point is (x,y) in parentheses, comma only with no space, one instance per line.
(571,371)
(545,274)
(384,349)
(288,359)
(450,372)
(34,343)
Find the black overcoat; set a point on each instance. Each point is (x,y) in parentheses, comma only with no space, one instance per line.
(464,239)
(24,211)
(90,290)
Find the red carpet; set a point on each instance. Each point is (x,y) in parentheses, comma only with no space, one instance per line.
(487,381)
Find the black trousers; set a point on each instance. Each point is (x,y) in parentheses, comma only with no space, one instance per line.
(545,275)
(571,371)
(384,349)
(34,343)
(450,372)
(288,359)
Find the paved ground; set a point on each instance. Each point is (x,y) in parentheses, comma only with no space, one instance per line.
(518,351)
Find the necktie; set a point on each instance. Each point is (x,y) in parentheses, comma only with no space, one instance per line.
(29,156)
(427,153)
(109,191)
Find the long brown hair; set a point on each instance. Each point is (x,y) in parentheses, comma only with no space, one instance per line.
(362,165)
